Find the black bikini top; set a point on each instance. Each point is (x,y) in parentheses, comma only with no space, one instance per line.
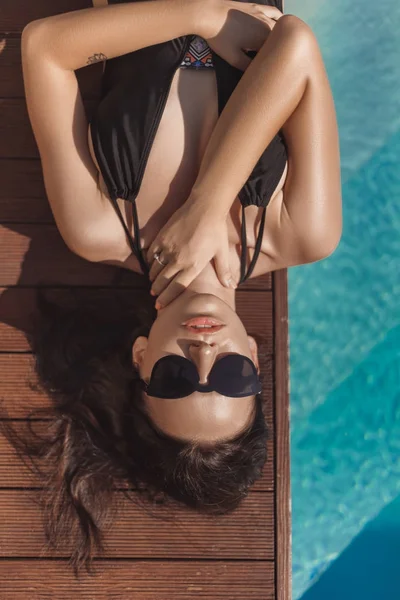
(134,91)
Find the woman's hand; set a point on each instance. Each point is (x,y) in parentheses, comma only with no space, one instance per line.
(234,27)
(191,238)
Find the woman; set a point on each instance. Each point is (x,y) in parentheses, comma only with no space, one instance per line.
(158,184)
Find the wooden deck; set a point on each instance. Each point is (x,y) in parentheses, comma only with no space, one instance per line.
(243,555)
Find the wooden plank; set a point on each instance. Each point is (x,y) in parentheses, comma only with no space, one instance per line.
(37,255)
(15,14)
(247,533)
(27,260)
(18,308)
(282,440)
(23,209)
(139,580)
(22,180)
(11,80)
(16,135)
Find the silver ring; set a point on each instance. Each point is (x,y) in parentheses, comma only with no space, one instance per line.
(157,257)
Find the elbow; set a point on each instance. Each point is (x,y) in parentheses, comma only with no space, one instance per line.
(91,252)
(320,245)
(31,39)
(31,30)
(87,252)
(88,246)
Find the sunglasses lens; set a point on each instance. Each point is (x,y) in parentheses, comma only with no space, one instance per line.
(235,376)
(172,377)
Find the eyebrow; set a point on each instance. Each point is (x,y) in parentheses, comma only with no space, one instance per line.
(205,395)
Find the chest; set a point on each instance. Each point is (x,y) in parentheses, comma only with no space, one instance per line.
(186,125)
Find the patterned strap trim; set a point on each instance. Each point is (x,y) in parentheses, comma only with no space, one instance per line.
(198,56)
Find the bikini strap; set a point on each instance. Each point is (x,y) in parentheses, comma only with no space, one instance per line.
(141,258)
(257,248)
(243,257)
(133,242)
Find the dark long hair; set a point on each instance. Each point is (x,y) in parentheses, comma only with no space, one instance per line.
(98,434)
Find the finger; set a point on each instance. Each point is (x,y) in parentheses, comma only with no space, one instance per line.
(164,278)
(221,264)
(155,247)
(271,23)
(156,268)
(270,11)
(256,8)
(176,287)
(265,20)
(264,15)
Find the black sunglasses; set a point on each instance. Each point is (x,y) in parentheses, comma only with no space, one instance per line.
(175,376)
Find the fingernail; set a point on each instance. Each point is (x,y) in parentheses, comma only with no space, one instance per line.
(158,306)
(152,293)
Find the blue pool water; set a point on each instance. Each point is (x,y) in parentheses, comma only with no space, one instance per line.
(345,327)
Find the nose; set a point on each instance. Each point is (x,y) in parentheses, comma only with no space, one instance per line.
(203,356)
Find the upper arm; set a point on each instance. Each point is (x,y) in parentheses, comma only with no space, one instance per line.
(97,3)
(307,217)
(304,220)
(60,127)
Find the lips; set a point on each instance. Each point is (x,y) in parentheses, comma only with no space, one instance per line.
(203,325)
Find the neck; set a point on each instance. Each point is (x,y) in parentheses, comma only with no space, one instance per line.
(207,282)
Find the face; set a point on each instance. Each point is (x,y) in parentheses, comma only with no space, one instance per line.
(205,417)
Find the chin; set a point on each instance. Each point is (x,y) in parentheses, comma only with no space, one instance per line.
(197,305)
(206,304)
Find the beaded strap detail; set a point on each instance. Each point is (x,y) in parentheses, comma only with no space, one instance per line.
(198,56)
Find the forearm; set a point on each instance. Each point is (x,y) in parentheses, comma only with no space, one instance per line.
(73,39)
(265,97)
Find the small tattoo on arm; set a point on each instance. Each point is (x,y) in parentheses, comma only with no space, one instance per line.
(96,58)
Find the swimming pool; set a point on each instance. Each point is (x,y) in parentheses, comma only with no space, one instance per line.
(345,327)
